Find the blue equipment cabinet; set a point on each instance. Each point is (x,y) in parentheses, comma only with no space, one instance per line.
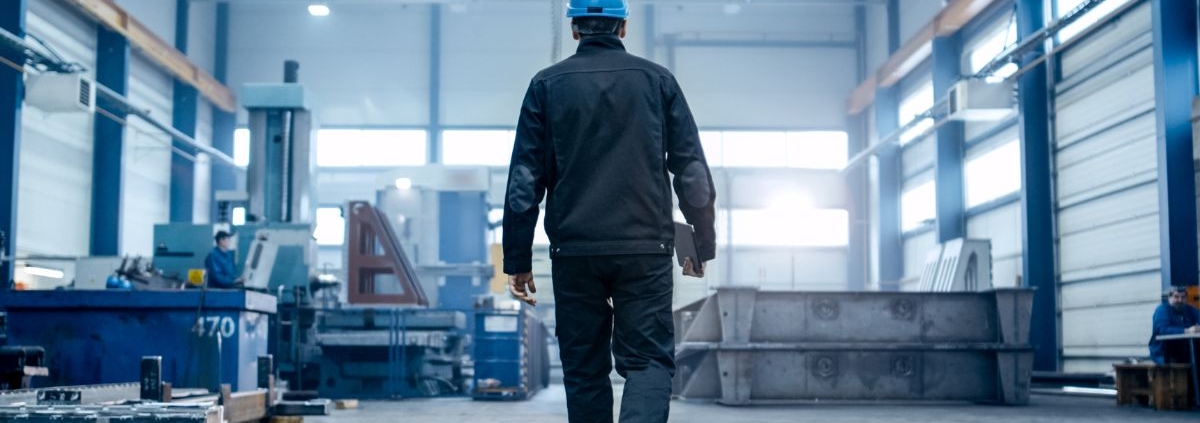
(512,361)
(98,337)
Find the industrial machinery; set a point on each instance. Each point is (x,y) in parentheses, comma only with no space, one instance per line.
(743,346)
(396,329)
(384,343)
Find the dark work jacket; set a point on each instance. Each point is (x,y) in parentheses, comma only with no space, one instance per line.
(220,268)
(599,136)
(1168,321)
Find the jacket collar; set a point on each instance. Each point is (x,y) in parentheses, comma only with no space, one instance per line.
(600,42)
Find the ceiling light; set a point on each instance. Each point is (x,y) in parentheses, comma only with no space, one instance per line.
(317,9)
(404,184)
(44,272)
(732,8)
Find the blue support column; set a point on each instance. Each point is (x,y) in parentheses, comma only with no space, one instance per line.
(224,177)
(893,17)
(891,243)
(948,168)
(1174,87)
(183,118)
(1037,195)
(435,84)
(858,256)
(462,225)
(12,93)
(112,71)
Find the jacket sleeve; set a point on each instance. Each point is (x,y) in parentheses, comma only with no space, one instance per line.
(1162,322)
(527,182)
(692,178)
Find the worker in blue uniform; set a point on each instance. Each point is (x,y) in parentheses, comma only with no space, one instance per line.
(598,137)
(1173,317)
(218,266)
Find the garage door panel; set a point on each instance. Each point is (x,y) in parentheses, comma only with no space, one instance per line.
(1108,326)
(1123,242)
(1136,288)
(1134,203)
(1112,98)
(1107,224)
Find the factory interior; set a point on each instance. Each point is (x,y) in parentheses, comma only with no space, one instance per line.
(286,211)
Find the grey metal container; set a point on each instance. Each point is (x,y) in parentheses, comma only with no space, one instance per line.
(744,346)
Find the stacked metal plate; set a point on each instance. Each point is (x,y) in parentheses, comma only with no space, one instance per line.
(743,346)
(142,413)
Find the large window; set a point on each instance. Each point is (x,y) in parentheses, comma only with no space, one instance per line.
(910,107)
(477,147)
(371,147)
(993,174)
(331,226)
(241,147)
(791,228)
(918,205)
(1105,8)
(991,47)
(776,149)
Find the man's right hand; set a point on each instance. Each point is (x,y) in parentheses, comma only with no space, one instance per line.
(1193,329)
(690,270)
(522,288)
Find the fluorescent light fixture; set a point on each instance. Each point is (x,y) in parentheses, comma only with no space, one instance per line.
(318,9)
(44,272)
(404,184)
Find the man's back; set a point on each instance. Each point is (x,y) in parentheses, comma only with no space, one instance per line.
(611,126)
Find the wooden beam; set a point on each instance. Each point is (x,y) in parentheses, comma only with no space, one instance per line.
(160,52)
(949,20)
(862,97)
(958,14)
(911,54)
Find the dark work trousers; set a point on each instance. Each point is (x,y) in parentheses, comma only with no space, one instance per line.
(637,330)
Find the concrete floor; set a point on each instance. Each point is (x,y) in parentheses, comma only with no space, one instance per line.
(549,406)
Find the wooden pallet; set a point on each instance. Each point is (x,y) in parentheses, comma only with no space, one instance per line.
(1164,387)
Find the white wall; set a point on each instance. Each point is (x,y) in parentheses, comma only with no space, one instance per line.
(365,64)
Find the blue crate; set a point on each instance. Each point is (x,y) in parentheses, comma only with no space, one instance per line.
(97,337)
(511,356)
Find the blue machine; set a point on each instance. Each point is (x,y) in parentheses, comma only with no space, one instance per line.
(512,361)
(179,247)
(97,337)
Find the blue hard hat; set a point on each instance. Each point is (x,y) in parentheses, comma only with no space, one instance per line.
(598,9)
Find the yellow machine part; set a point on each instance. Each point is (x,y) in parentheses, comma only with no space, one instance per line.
(196,277)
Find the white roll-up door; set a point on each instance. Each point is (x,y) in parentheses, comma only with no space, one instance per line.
(147,168)
(54,207)
(1000,224)
(1107,193)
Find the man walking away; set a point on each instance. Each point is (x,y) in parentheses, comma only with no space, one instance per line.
(599,136)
